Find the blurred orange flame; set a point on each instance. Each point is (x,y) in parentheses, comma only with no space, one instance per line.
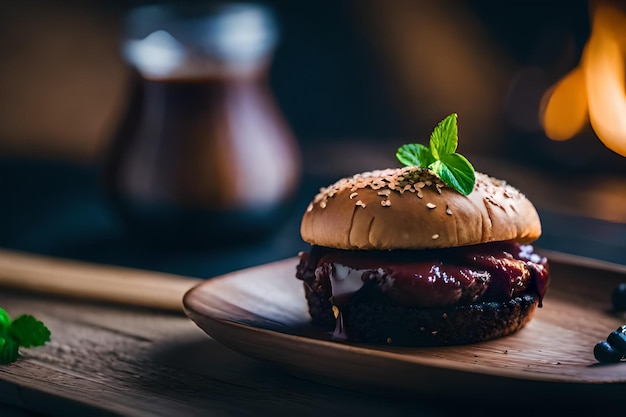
(595,90)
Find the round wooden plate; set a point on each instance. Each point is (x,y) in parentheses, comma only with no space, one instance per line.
(261,312)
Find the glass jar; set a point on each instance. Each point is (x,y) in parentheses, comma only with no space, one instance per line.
(203,153)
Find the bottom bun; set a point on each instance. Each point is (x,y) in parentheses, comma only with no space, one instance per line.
(368,320)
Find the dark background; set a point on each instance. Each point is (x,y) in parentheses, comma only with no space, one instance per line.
(338,71)
(354,79)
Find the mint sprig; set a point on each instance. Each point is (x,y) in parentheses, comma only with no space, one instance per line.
(24,331)
(441,157)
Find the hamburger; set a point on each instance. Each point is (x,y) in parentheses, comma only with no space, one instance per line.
(398,256)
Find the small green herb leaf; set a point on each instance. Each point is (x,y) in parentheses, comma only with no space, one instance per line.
(9,351)
(28,331)
(24,331)
(5,321)
(441,157)
(456,171)
(445,137)
(415,154)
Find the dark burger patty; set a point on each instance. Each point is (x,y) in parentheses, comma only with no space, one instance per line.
(404,295)
(369,321)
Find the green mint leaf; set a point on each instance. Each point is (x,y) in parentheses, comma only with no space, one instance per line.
(27,331)
(5,321)
(9,351)
(415,154)
(445,137)
(456,171)
(453,168)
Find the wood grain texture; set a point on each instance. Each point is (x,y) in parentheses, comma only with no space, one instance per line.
(104,360)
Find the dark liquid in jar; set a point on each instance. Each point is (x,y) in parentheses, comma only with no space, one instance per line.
(202,161)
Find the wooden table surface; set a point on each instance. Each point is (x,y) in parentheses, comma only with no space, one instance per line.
(112,359)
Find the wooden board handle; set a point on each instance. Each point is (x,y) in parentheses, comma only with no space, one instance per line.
(93,281)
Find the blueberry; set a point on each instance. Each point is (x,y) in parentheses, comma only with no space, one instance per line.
(605,353)
(618,297)
(617,340)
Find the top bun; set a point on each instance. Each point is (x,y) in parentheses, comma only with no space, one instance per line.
(411,208)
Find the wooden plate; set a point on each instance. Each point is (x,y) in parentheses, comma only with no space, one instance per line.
(261,312)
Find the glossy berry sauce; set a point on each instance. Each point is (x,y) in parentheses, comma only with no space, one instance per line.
(428,278)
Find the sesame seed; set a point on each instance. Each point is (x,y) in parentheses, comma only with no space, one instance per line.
(434,332)
(384,193)
(444,315)
(385,203)
(419,194)
(435,236)
(431,205)
(410,179)
(389,340)
(360,203)
(323,204)
(353,195)
(310,207)
(448,212)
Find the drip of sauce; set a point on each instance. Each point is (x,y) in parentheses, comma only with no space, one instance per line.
(340,331)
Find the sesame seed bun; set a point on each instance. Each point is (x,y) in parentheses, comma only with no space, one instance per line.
(411,208)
